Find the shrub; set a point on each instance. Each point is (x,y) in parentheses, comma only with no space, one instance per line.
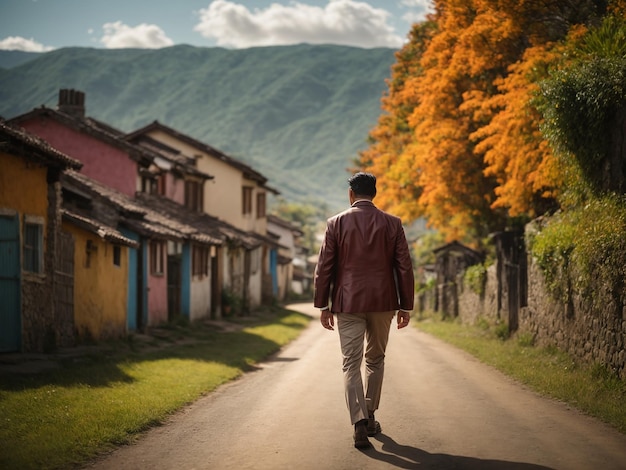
(589,241)
(475,277)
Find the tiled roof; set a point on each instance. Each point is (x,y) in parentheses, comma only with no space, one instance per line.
(89,126)
(179,162)
(14,139)
(212,225)
(247,171)
(284,259)
(142,216)
(122,201)
(176,218)
(273,219)
(200,227)
(103,231)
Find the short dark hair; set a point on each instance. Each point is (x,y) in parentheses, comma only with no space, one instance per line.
(363,184)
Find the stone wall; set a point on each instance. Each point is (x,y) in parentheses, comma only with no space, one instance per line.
(472,305)
(40,328)
(592,331)
(591,335)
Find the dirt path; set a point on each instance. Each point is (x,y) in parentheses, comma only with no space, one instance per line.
(441,409)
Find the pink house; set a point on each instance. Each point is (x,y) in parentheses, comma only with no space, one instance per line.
(106,158)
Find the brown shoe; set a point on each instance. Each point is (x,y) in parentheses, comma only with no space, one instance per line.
(360,436)
(373,426)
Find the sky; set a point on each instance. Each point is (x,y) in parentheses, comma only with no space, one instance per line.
(44,25)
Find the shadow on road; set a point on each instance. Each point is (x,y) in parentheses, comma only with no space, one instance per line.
(403,456)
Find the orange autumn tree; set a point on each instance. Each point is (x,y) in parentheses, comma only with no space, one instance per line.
(465,165)
(393,133)
(514,150)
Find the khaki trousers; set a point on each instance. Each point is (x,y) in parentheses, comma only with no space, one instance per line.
(355,329)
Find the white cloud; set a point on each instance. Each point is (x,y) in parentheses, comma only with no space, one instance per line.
(18,43)
(144,36)
(418,9)
(347,22)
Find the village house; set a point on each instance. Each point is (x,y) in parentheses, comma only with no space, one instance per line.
(163,288)
(141,215)
(31,314)
(189,293)
(97,251)
(293,275)
(237,195)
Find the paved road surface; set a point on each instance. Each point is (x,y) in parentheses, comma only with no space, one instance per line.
(441,409)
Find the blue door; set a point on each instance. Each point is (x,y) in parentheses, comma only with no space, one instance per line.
(274,271)
(134,277)
(10,310)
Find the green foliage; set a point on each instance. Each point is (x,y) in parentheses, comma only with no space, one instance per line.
(552,247)
(580,102)
(526,339)
(609,40)
(298,114)
(502,331)
(589,241)
(475,278)
(424,246)
(232,303)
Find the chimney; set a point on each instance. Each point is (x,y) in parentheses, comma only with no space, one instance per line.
(72,102)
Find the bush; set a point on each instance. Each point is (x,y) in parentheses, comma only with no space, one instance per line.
(232,303)
(475,277)
(589,241)
(580,103)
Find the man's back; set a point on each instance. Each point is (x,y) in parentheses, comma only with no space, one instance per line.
(364,251)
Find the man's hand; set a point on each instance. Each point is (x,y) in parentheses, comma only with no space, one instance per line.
(403,318)
(327,319)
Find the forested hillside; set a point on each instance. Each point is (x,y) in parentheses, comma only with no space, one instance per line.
(299,114)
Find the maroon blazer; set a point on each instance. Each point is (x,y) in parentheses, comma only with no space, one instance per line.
(364,263)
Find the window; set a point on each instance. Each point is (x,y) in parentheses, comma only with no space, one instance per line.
(157,256)
(148,184)
(200,261)
(160,184)
(193,195)
(117,255)
(247,200)
(33,247)
(260,205)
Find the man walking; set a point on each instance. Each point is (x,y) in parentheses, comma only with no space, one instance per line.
(364,275)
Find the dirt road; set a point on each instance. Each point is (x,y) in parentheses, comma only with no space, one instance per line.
(441,409)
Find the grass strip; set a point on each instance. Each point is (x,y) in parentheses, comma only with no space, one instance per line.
(67,416)
(592,389)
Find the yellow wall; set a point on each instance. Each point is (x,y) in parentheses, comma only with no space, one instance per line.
(100,288)
(23,187)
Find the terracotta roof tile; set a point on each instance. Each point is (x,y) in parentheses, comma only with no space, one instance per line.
(247,170)
(15,139)
(103,231)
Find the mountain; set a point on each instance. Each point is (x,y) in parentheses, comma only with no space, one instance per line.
(298,114)
(9,59)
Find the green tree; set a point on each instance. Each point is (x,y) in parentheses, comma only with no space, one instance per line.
(584,107)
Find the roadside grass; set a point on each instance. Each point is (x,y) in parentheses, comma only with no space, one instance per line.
(591,389)
(64,417)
